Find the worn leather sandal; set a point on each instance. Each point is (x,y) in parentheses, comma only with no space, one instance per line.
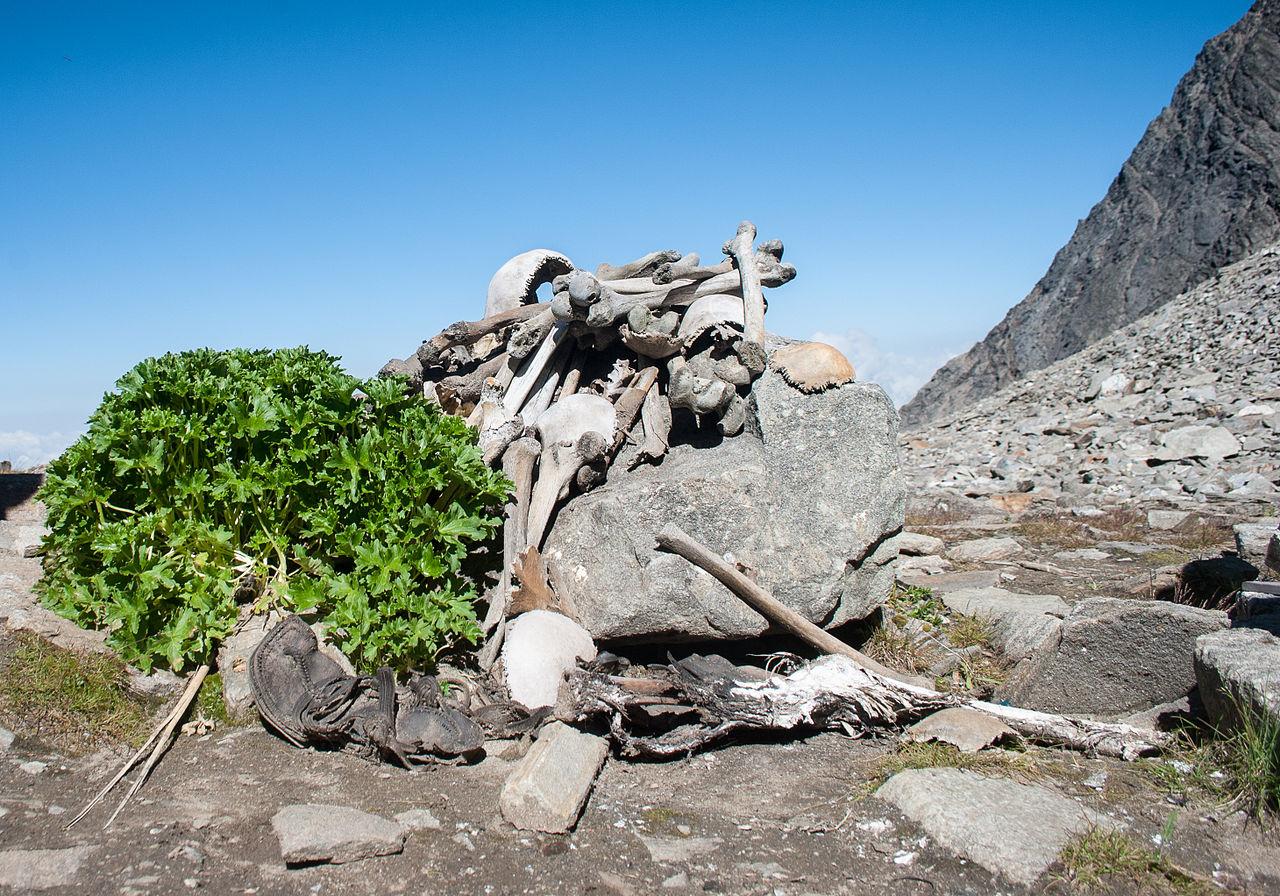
(305,696)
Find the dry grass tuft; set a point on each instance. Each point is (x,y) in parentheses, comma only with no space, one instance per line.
(72,701)
(1108,860)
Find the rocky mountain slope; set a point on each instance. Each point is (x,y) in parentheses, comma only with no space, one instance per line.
(1201,190)
(1180,406)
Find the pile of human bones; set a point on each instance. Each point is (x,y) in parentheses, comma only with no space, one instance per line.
(557,388)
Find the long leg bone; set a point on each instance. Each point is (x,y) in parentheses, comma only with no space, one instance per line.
(531,374)
(645,264)
(573,431)
(752,296)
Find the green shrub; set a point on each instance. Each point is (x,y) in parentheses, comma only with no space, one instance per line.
(209,478)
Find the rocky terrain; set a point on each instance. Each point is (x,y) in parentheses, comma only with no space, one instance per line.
(1179,408)
(1200,191)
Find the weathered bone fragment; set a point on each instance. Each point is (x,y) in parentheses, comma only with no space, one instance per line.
(530,375)
(465,332)
(650,335)
(540,400)
(534,591)
(770,247)
(740,247)
(410,368)
(679,269)
(699,394)
(573,431)
(717,312)
(529,334)
(656,416)
(516,282)
(467,386)
(517,463)
(631,401)
(812,366)
(497,435)
(643,265)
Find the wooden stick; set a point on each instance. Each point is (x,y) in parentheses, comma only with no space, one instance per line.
(673,538)
(166,737)
(1107,738)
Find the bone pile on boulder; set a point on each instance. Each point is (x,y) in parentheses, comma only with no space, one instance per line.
(561,390)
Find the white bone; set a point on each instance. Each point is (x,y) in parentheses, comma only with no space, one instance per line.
(516,282)
(561,429)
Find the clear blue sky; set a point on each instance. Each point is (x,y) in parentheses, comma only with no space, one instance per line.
(350,175)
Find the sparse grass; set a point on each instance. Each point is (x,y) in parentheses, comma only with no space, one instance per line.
(921,519)
(1051,529)
(1101,858)
(209,702)
(969,631)
(1024,766)
(897,649)
(1164,557)
(72,701)
(1202,537)
(976,676)
(918,603)
(1239,769)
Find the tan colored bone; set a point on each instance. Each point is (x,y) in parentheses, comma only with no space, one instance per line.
(812,366)
(516,282)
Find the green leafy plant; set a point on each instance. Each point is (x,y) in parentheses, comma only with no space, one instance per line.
(210,478)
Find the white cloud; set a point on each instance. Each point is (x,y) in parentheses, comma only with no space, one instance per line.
(900,375)
(27,449)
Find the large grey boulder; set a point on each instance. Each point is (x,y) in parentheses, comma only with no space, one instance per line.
(1238,668)
(806,498)
(1112,657)
(42,869)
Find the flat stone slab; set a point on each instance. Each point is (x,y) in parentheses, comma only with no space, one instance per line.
(310,833)
(41,869)
(943,583)
(978,550)
(918,544)
(1019,622)
(550,784)
(1011,829)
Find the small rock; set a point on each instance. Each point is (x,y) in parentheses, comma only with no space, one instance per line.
(979,550)
(540,647)
(1253,539)
(336,834)
(1092,554)
(41,869)
(6,740)
(1014,830)
(33,767)
(929,566)
(678,849)
(1166,519)
(549,786)
(418,820)
(1214,443)
(917,544)
(968,730)
(677,881)
(947,582)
